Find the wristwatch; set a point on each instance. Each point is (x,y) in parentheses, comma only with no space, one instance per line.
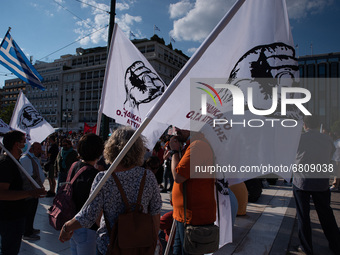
(172,152)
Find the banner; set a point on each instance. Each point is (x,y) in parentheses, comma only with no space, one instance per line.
(27,119)
(12,57)
(4,128)
(252,41)
(89,129)
(131,85)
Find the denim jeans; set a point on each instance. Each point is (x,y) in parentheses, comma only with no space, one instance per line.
(83,242)
(10,236)
(179,238)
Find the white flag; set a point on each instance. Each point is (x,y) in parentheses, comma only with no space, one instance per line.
(27,119)
(131,85)
(4,128)
(252,41)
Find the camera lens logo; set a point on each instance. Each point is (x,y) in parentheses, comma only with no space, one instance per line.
(204,96)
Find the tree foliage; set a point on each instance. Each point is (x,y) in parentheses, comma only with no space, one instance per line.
(157,39)
(6,112)
(335,128)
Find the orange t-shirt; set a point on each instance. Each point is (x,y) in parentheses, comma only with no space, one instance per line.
(201,204)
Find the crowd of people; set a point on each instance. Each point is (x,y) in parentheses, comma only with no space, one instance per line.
(164,169)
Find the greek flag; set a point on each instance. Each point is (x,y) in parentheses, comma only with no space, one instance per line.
(12,57)
(156,28)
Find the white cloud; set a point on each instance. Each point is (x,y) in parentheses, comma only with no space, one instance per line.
(201,16)
(100,19)
(179,9)
(122,6)
(192,50)
(126,21)
(200,20)
(299,9)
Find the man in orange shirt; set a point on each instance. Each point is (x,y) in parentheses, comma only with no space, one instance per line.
(201,204)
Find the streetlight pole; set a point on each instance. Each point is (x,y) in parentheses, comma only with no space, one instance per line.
(111,25)
(67,115)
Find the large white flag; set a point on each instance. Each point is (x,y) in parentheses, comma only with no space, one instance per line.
(252,41)
(28,120)
(131,85)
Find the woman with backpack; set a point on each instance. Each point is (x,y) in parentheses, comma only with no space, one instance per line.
(90,148)
(129,185)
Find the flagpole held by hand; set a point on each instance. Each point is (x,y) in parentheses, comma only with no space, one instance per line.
(173,85)
(20,166)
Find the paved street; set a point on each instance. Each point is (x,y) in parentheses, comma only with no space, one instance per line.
(269,227)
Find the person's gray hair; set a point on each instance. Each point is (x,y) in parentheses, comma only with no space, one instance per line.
(117,141)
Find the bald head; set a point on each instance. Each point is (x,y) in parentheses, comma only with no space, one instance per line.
(36,149)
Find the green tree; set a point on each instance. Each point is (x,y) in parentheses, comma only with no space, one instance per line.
(335,128)
(157,39)
(6,113)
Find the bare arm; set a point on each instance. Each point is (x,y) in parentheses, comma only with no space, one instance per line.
(175,145)
(67,231)
(12,195)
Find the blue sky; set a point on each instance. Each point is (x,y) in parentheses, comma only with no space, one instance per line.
(41,27)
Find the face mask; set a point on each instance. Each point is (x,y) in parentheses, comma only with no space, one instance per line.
(23,150)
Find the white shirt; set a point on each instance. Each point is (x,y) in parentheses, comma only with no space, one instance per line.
(27,165)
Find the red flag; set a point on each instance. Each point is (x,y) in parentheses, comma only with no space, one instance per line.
(89,129)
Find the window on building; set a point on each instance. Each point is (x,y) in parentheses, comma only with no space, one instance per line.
(301,69)
(310,71)
(322,70)
(150,48)
(96,74)
(334,70)
(102,73)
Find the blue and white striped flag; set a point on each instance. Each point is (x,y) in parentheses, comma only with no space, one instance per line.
(12,57)
(156,28)
(132,35)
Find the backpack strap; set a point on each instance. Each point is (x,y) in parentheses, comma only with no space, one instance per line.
(141,189)
(69,174)
(80,171)
(140,193)
(122,192)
